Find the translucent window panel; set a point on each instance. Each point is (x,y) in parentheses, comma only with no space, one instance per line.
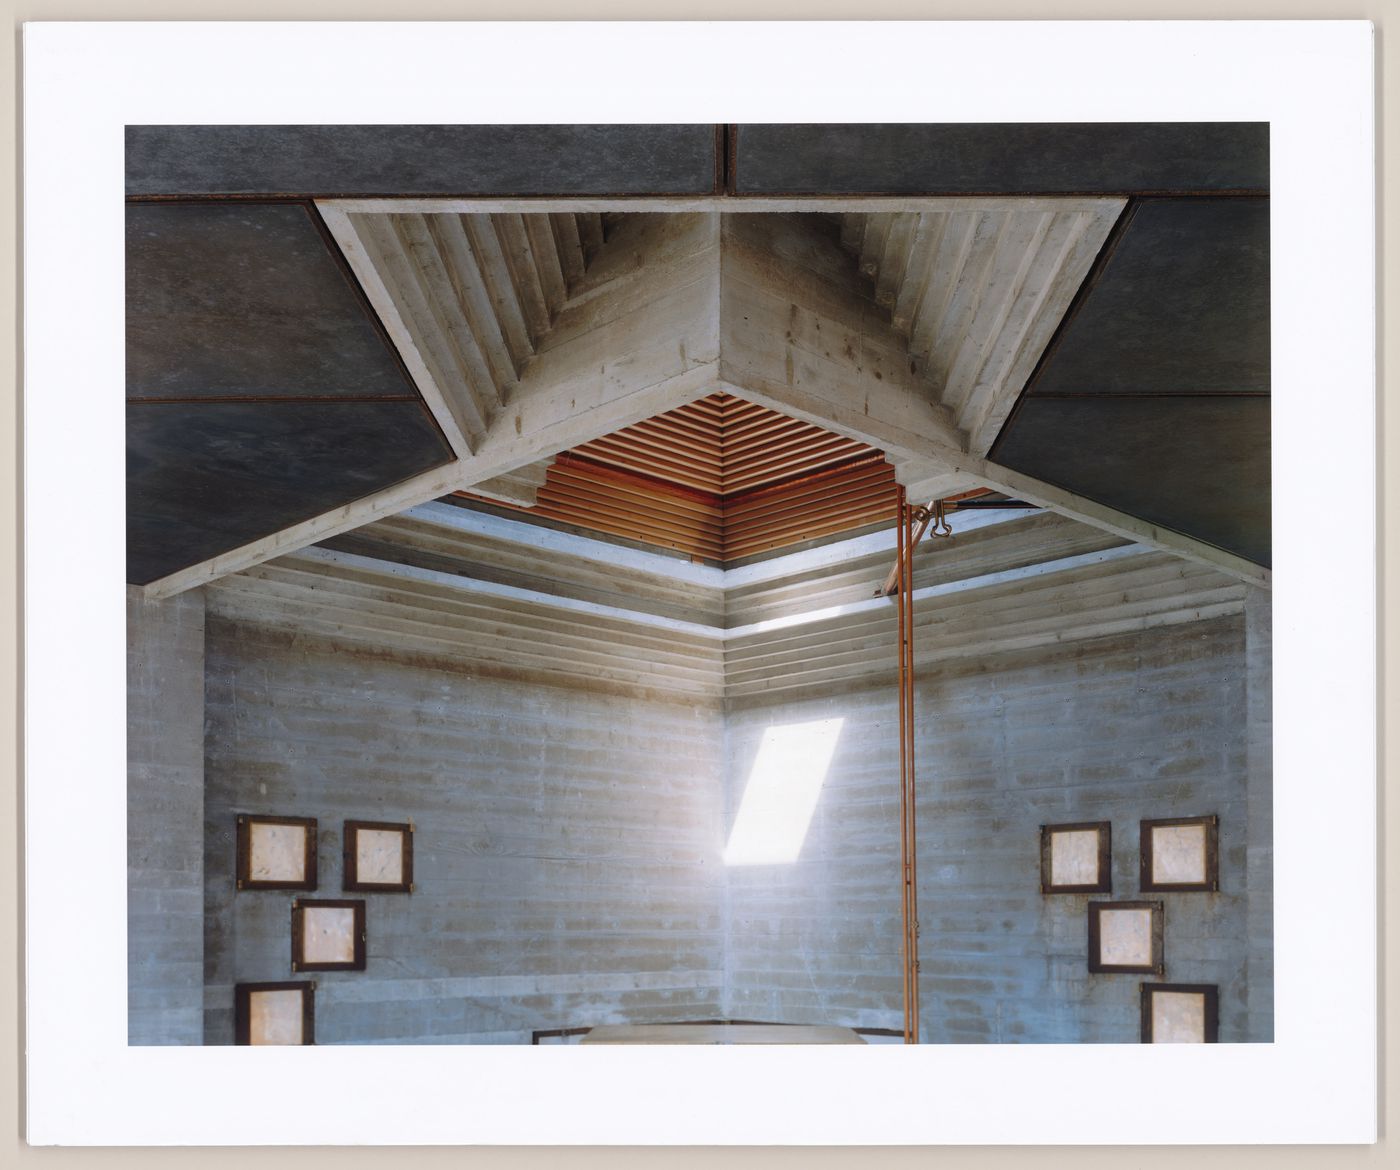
(1179,854)
(1178,1017)
(1125,938)
(277,853)
(275,1017)
(1074,858)
(379,856)
(328,934)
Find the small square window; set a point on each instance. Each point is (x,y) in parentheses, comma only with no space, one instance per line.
(274,1013)
(378,857)
(1076,858)
(276,853)
(328,935)
(1180,1013)
(1125,937)
(1180,854)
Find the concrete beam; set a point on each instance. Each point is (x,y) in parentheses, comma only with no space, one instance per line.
(799,336)
(521,486)
(929,481)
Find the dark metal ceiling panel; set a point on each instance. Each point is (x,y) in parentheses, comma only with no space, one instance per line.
(1199,466)
(247,301)
(329,161)
(1179,305)
(994,158)
(204,478)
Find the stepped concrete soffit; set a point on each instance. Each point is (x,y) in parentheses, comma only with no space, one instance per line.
(528,333)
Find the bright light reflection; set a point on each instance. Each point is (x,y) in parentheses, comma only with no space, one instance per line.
(782,793)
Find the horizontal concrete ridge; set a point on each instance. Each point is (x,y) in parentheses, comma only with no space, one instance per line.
(454,586)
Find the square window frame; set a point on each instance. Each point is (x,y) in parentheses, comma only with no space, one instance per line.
(1211,991)
(243,868)
(242,1009)
(1210,885)
(349,875)
(300,906)
(1158,963)
(1104,885)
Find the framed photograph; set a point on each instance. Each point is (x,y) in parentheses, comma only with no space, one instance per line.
(276,853)
(1125,937)
(274,1013)
(378,857)
(1180,854)
(1076,858)
(1180,1013)
(328,935)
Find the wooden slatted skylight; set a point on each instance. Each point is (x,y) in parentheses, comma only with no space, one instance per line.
(720,479)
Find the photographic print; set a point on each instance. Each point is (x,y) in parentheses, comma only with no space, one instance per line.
(594,495)
(727,544)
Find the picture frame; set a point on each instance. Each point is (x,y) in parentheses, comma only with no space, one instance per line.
(1173,1013)
(1179,855)
(328,934)
(1126,937)
(275,852)
(378,857)
(268,1013)
(1076,858)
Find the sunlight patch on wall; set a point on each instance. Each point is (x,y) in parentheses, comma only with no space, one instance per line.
(782,793)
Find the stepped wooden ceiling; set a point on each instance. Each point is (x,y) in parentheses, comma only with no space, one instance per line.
(326,324)
(719,479)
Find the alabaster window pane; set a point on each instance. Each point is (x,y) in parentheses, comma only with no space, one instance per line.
(328,934)
(275,1017)
(277,853)
(1179,854)
(379,856)
(1125,938)
(1178,1017)
(1074,858)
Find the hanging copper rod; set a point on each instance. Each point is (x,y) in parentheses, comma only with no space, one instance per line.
(913,822)
(908,836)
(892,581)
(900,509)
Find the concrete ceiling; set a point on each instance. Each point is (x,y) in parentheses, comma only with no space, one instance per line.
(1067,313)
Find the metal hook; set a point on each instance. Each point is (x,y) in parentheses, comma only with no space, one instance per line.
(941,527)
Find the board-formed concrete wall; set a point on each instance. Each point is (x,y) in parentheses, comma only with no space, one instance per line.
(565,853)
(574,774)
(165,803)
(1148,724)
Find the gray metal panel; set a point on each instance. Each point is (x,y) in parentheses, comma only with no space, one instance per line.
(247,300)
(205,478)
(1199,466)
(982,158)
(420,160)
(1180,305)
